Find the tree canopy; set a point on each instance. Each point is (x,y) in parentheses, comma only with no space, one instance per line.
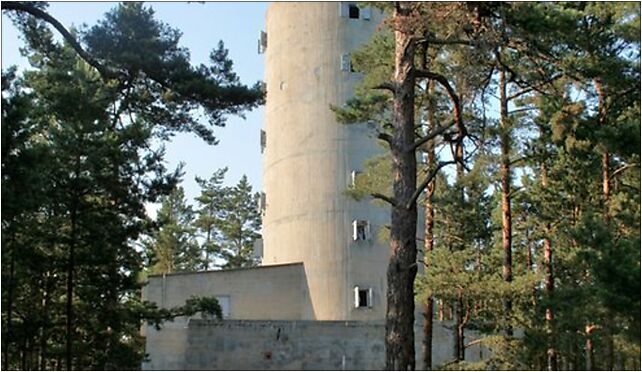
(80,160)
(516,126)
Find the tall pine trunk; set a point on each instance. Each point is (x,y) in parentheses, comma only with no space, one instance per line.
(44,332)
(606,195)
(461,318)
(588,348)
(428,239)
(10,285)
(606,188)
(505,173)
(69,309)
(459,352)
(549,287)
(402,268)
(208,238)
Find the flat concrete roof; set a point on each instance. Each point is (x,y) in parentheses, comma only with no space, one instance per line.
(225,270)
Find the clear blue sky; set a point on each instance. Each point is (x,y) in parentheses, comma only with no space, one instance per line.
(203,24)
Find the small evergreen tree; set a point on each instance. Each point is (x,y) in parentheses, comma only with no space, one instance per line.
(240,226)
(173,247)
(210,212)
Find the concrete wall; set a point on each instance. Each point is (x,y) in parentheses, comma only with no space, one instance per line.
(265,292)
(309,157)
(290,345)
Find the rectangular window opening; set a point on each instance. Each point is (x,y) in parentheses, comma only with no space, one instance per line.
(353,11)
(360,230)
(262,42)
(262,204)
(263,141)
(362,297)
(345,62)
(354,175)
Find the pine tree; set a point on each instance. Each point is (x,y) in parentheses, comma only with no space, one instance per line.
(240,225)
(173,248)
(210,214)
(78,168)
(157,82)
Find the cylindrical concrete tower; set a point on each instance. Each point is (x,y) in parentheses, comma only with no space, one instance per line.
(309,160)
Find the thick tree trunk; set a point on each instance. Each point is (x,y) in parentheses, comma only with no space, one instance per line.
(402,268)
(505,173)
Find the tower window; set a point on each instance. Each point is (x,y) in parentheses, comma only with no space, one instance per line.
(345,62)
(263,140)
(362,297)
(262,42)
(353,11)
(353,178)
(360,230)
(261,202)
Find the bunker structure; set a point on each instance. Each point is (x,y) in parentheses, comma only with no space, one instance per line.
(317,301)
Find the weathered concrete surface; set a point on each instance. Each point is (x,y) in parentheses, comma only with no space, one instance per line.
(289,345)
(309,158)
(264,292)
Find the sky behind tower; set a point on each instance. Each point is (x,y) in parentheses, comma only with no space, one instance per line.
(203,24)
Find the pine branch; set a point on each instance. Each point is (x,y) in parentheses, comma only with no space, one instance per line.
(434,133)
(386,85)
(426,181)
(533,88)
(385,198)
(623,168)
(443,81)
(28,8)
(385,137)
(422,40)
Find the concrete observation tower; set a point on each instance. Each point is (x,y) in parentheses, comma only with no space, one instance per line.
(321,257)
(310,160)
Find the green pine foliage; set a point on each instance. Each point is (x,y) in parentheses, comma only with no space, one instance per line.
(572,73)
(219,233)
(80,160)
(173,247)
(210,215)
(241,226)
